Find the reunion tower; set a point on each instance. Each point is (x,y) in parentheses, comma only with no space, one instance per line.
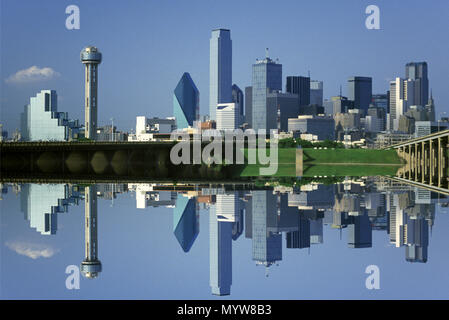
(91,58)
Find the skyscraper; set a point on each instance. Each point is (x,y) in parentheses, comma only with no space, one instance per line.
(417,71)
(267,77)
(316,92)
(41,120)
(249,106)
(360,91)
(186,101)
(301,87)
(227,116)
(185,221)
(91,58)
(237,98)
(401,98)
(220,81)
(220,255)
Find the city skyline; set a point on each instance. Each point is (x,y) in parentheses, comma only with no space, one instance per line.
(404,215)
(66,84)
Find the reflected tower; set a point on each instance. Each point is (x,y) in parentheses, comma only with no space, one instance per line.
(91,266)
(91,58)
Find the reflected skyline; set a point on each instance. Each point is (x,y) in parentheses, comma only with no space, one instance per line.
(268,216)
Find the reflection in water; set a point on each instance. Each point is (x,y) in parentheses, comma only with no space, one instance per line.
(405,213)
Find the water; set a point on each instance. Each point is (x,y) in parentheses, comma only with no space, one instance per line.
(160,241)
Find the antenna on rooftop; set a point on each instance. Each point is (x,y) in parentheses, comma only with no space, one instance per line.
(266,52)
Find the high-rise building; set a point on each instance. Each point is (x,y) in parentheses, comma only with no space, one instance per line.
(220,255)
(316,92)
(417,71)
(381,100)
(301,87)
(91,266)
(185,221)
(267,246)
(322,127)
(220,81)
(227,116)
(237,98)
(341,104)
(91,58)
(360,91)
(41,121)
(249,105)
(430,108)
(401,97)
(41,204)
(267,77)
(186,102)
(281,107)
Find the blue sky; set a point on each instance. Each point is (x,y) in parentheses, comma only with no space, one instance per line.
(142,259)
(148,45)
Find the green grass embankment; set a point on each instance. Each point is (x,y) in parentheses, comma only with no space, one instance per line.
(332,162)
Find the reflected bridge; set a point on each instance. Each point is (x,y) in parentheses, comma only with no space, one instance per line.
(426,159)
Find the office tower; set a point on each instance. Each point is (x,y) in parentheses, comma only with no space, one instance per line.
(266,78)
(227,116)
(360,91)
(381,100)
(417,71)
(316,92)
(301,238)
(220,81)
(417,239)
(237,98)
(266,245)
(322,127)
(91,266)
(341,104)
(41,203)
(360,232)
(91,58)
(41,121)
(249,106)
(401,97)
(301,87)
(316,231)
(220,253)
(185,221)
(376,118)
(281,107)
(186,102)
(328,107)
(430,108)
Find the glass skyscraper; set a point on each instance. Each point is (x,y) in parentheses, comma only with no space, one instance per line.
(360,91)
(186,101)
(41,120)
(220,255)
(220,82)
(301,87)
(185,222)
(267,77)
(418,71)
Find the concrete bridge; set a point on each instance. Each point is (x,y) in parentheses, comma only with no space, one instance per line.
(103,160)
(427,159)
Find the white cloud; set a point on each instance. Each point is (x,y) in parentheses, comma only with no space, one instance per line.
(32,74)
(31,250)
